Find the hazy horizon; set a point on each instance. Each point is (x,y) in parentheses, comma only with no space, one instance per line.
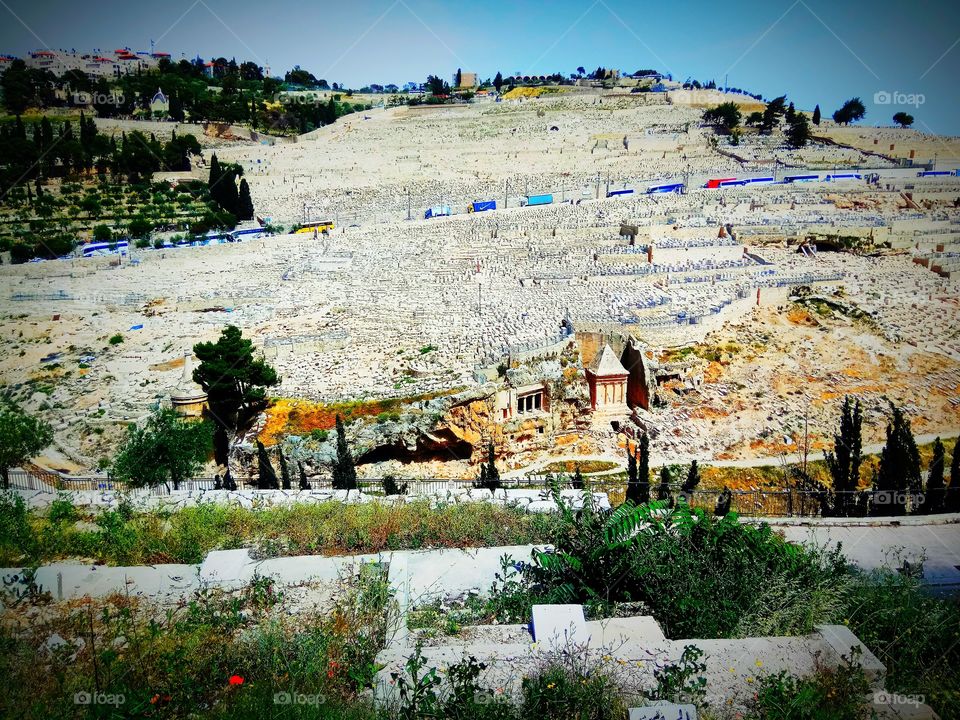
(815,52)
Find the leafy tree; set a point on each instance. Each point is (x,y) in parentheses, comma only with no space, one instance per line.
(904,120)
(726,115)
(790,114)
(638,491)
(851,111)
(21,437)
(498,81)
(344,471)
(244,203)
(798,132)
(845,460)
(899,471)
(284,471)
(933,499)
(234,381)
(816,115)
(772,113)
(754,119)
(391,487)
(18,87)
(168,448)
(459,78)
(102,233)
(690,484)
(266,475)
(437,85)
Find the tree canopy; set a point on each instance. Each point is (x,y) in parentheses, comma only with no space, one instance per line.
(168,448)
(21,437)
(851,111)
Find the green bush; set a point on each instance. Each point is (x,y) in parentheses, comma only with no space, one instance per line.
(116,339)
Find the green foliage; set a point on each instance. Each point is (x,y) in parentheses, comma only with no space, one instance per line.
(168,448)
(851,111)
(829,694)
(899,471)
(570,686)
(266,475)
(934,499)
(682,681)
(18,541)
(904,120)
(701,576)
(726,115)
(638,473)
(116,339)
(845,460)
(344,470)
(816,116)
(21,437)
(489,474)
(913,633)
(798,131)
(775,110)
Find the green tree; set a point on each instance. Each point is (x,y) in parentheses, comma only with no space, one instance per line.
(816,115)
(845,460)
(102,233)
(754,119)
(690,484)
(726,115)
(663,489)
(234,381)
(344,471)
(168,448)
(775,110)
(904,120)
(952,495)
(21,437)
(18,88)
(632,475)
(459,78)
(266,475)
(934,497)
(899,470)
(638,491)
(284,471)
(244,202)
(576,482)
(798,131)
(304,483)
(851,111)
(498,81)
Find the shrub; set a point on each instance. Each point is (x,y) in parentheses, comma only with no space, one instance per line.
(116,339)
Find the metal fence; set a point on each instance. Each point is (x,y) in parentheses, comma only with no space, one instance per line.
(790,502)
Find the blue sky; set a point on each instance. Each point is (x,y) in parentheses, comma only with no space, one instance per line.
(815,51)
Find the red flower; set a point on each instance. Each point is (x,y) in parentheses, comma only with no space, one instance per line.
(236,680)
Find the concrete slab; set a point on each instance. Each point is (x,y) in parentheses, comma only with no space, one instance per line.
(227,568)
(663,711)
(559,625)
(841,641)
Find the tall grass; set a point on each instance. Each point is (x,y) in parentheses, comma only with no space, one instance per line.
(124,536)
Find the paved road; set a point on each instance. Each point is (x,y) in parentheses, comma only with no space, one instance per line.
(938,546)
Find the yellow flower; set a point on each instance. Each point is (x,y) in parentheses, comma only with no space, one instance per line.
(551,686)
(759,663)
(731,669)
(749,679)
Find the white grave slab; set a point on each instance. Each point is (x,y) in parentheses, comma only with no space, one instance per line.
(663,710)
(558,625)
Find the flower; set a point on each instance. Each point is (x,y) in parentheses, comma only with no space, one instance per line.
(551,686)
(236,680)
(759,663)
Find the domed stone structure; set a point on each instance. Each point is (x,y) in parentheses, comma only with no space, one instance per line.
(188,398)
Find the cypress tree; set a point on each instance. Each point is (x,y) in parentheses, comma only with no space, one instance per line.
(690,484)
(284,471)
(844,463)
(215,173)
(899,471)
(304,484)
(663,490)
(493,475)
(724,500)
(632,475)
(244,202)
(344,471)
(816,115)
(577,481)
(933,499)
(267,476)
(952,496)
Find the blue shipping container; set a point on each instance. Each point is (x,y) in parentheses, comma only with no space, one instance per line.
(482,205)
(539,199)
